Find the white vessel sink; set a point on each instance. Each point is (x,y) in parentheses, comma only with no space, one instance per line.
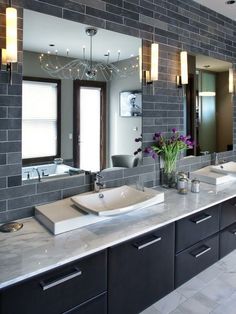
(62,216)
(208,176)
(229,168)
(117,201)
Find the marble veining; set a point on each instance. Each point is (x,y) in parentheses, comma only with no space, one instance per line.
(33,250)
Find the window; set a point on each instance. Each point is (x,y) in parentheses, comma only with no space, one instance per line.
(40,119)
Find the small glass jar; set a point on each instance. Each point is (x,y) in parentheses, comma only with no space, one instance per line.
(180,175)
(183,185)
(195,186)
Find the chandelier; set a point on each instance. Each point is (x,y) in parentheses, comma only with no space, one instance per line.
(88,69)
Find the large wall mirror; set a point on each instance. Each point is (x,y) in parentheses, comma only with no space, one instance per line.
(82,97)
(208,105)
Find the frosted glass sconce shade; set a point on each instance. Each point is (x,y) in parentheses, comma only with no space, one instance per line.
(184,67)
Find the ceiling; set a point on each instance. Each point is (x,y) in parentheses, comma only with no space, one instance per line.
(40,30)
(221,7)
(215,64)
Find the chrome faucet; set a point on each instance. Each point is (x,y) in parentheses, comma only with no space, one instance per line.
(38,173)
(27,174)
(215,159)
(98,185)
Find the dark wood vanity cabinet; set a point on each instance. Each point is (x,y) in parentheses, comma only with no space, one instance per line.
(227,240)
(195,259)
(78,287)
(228,227)
(197,227)
(197,243)
(96,305)
(140,271)
(228,213)
(129,277)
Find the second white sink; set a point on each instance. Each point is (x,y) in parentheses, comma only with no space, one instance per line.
(208,176)
(117,201)
(228,168)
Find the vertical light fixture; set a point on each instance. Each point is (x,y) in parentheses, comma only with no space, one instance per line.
(140,64)
(9,55)
(231,80)
(154,61)
(11,34)
(184,67)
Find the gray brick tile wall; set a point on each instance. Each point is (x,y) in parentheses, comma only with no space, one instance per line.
(176,25)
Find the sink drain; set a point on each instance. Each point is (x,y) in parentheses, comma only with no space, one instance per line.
(11,227)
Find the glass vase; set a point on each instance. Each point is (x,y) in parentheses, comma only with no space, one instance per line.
(168,170)
(168,179)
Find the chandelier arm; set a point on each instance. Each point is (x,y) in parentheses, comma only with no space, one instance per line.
(58,62)
(83,73)
(84,53)
(104,68)
(103,74)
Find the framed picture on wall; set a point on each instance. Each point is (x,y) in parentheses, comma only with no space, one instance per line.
(131,104)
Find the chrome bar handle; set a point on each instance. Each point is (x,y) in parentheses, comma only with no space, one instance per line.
(200,220)
(204,251)
(76,272)
(140,245)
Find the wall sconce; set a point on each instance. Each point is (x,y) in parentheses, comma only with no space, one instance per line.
(154,61)
(9,55)
(152,75)
(183,79)
(231,80)
(140,52)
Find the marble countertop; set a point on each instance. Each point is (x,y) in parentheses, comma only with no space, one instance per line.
(33,250)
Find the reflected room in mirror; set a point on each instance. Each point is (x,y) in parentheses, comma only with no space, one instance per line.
(208,107)
(73,76)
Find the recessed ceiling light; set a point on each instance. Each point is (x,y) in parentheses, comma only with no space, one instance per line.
(230,1)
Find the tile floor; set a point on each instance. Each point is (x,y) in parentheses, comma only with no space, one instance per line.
(212,291)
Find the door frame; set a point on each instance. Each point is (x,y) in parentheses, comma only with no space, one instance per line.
(76,119)
(191,128)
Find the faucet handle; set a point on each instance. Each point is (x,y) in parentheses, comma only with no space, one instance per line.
(98,176)
(28,174)
(43,173)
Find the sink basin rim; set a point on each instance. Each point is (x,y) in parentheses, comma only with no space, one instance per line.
(146,198)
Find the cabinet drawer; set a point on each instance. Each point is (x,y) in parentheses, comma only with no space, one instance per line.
(59,290)
(228,213)
(97,305)
(196,227)
(193,260)
(227,240)
(141,271)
